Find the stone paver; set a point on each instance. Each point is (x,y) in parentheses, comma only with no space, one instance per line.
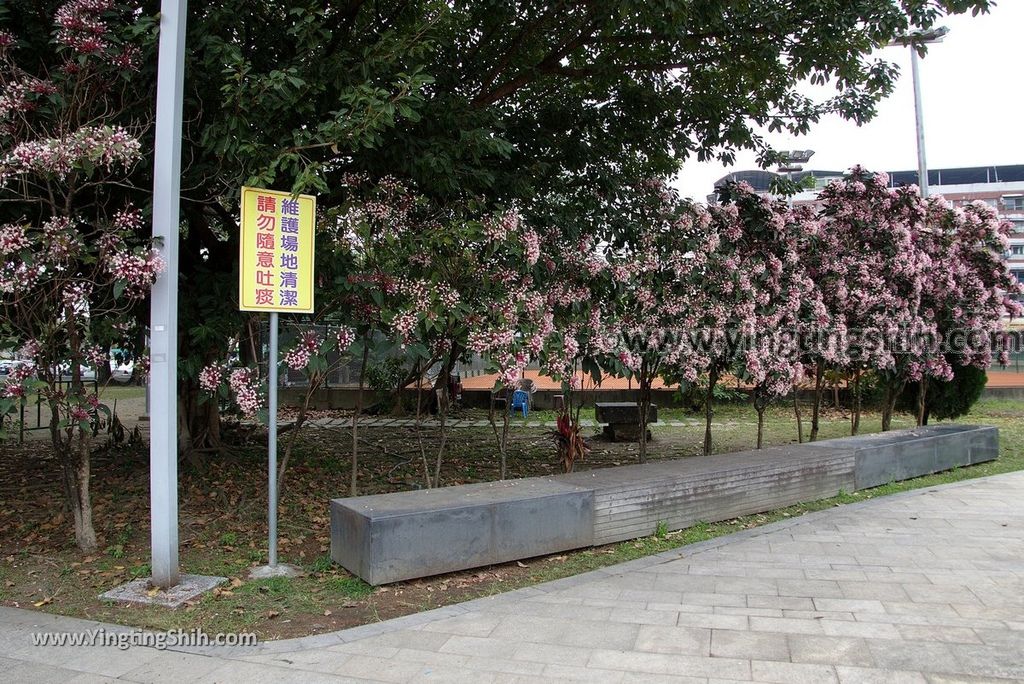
(921,587)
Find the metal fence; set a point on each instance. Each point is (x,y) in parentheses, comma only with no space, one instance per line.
(34,412)
(346,373)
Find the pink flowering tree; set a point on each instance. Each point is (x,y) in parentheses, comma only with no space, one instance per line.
(71,251)
(967,293)
(573,329)
(313,349)
(871,270)
(649,270)
(440,280)
(758,264)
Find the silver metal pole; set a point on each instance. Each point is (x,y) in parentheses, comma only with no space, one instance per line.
(163,317)
(922,165)
(272,438)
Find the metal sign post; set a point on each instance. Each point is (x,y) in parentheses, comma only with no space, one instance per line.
(275,275)
(272,441)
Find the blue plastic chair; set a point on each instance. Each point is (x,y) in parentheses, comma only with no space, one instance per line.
(520,400)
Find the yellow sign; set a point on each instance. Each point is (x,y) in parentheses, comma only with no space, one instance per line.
(276,254)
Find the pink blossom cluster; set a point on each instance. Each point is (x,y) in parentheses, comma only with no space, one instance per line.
(30,349)
(128,219)
(500,227)
(22,95)
(80,25)
(211,377)
(137,271)
(13,239)
(142,366)
(14,385)
(99,146)
(297,358)
(61,240)
(18,275)
(405,324)
(76,297)
(345,336)
(244,384)
(94,355)
(447,296)
(531,242)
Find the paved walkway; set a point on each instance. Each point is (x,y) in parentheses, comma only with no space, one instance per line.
(920,587)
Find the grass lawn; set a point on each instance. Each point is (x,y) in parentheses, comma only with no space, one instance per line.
(223,511)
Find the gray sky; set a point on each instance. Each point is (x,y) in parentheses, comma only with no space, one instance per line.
(973,94)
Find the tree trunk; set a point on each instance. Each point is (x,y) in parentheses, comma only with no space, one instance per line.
(892,394)
(645,403)
(922,394)
(419,434)
(198,422)
(760,425)
(709,409)
(81,505)
(501,437)
(819,373)
(103,370)
(74,453)
(799,418)
(300,420)
(855,417)
(353,488)
(504,443)
(442,409)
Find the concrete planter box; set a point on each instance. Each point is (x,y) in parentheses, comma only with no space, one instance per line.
(392,537)
(904,454)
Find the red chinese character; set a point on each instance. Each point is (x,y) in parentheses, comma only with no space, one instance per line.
(264,278)
(266,222)
(264,241)
(265,259)
(264,297)
(265,203)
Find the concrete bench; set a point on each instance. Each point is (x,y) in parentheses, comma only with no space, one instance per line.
(904,454)
(623,419)
(391,537)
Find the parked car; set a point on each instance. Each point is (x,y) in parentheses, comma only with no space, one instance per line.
(121,372)
(87,373)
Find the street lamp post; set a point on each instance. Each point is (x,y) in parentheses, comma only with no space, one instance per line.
(163,384)
(793,162)
(932,35)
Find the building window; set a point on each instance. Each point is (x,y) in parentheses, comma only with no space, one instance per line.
(1013,203)
(1017,226)
(1019,275)
(1016,250)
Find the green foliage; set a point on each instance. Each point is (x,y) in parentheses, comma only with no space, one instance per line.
(386,376)
(692,395)
(947,400)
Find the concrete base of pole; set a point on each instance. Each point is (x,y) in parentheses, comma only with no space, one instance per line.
(279,570)
(141,591)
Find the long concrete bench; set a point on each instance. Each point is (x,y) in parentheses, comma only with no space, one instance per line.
(391,537)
